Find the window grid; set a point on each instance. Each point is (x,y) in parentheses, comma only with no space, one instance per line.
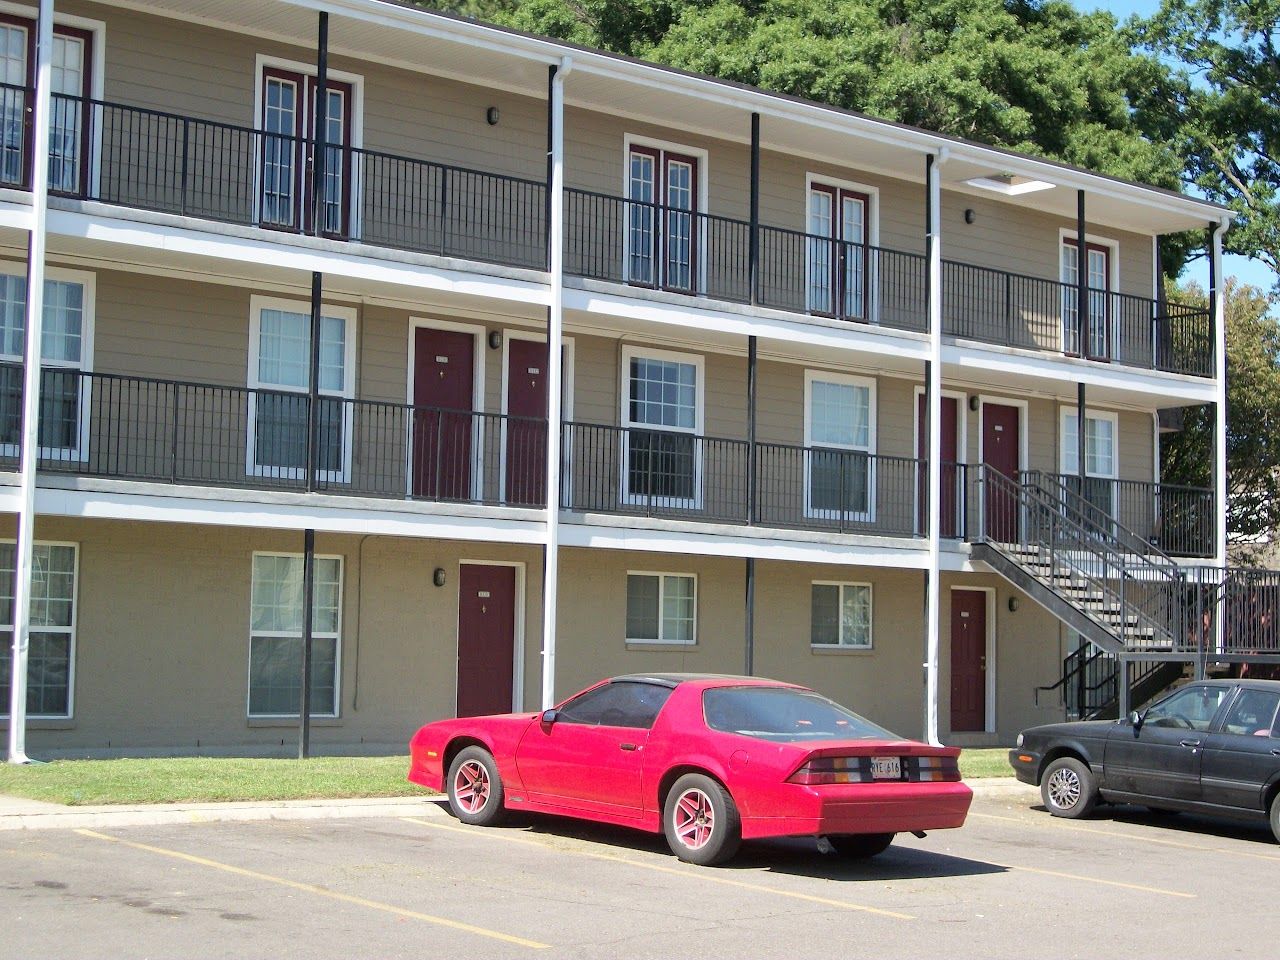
(52,628)
(661,608)
(1100,445)
(840,615)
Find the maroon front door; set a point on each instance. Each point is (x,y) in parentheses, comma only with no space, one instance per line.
(486,638)
(526,443)
(1000,445)
(950,448)
(443,384)
(968,660)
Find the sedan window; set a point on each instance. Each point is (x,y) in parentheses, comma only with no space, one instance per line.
(786,715)
(1252,714)
(622,703)
(1191,708)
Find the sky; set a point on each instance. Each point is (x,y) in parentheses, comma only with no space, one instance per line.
(1250,271)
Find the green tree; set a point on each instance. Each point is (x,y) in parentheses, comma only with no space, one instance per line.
(1253,422)
(1223,112)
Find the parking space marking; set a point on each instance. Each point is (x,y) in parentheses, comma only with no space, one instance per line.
(321,891)
(1107,883)
(1056,823)
(688,874)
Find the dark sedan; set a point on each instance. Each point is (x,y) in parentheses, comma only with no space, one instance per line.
(1209,747)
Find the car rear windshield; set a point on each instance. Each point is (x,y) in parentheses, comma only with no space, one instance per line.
(785,715)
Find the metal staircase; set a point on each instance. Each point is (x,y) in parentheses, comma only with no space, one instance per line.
(1090,682)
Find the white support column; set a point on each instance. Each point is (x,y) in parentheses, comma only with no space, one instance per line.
(31,388)
(555,378)
(1220,404)
(933,600)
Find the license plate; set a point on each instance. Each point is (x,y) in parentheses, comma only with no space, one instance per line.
(886,768)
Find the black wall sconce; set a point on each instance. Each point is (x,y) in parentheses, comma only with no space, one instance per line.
(1014,603)
(495,339)
(973,402)
(438,577)
(969,215)
(492,116)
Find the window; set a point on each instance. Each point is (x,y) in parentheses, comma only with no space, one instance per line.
(841,615)
(275,643)
(1253,713)
(1097,338)
(1191,708)
(72,56)
(839,439)
(785,715)
(662,219)
(1099,456)
(66,349)
(622,703)
(289,118)
(838,252)
(279,370)
(661,608)
(662,415)
(53,628)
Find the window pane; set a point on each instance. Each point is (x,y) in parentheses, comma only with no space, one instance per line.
(276,594)
(840,414)
(642,607)
(677,609)
(661,464)
(1189,709)
(619,704)
(283,348)
(839,480)
(275,667)
(825,615)
(1252,714)
(663,393)
(855,615)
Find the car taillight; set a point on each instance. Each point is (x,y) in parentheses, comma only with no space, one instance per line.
(820,770)
(830,770)
(936,769)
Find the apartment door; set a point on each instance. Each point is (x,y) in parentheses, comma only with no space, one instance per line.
(838,254)
(486,639)
(443,425)
(662,219)
(1094,340)
(950,475)
(526,428)
(968,660)
(1001,443)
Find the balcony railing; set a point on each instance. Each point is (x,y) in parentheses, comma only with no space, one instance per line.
(994,306)
(659,473)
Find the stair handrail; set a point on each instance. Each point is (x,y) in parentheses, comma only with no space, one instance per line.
(1093,542)
(1061,486)
(1073,664)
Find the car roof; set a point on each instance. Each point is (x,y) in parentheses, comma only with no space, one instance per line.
(701,679)
(1245,682)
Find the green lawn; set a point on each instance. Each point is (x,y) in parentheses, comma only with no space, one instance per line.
(192,779)
(195,779)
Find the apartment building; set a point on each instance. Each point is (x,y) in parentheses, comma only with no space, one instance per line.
(828,399)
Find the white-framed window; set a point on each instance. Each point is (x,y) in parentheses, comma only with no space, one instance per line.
(840,615)
(662,607)
(51,655)
(1097,340)
(839,264)
(666,183)
(66,350)
(275,635)
(279,378)
(662,412)
(840,442)
(1100,455)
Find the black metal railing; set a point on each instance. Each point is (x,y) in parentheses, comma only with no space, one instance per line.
(658,473)
(996,306)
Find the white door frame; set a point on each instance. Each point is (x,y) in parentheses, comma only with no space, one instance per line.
(518,629)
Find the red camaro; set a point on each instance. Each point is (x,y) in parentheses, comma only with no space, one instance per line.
(708,760)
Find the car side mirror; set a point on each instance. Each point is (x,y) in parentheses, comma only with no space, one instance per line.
(550,716)
(1135,718)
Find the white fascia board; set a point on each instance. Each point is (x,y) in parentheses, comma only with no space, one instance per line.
(329,515)
(978,364)
(858,337)
(16,215)
(678,538)
(226,246)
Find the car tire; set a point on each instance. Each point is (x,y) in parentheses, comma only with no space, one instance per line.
(701,821)
(1275,816)
(861,846)
(1068,788)
(475,788)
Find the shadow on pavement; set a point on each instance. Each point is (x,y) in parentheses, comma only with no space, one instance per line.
(1192,824)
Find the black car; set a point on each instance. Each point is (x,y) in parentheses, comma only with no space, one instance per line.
(1209,747)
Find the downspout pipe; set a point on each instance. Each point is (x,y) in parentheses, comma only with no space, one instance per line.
(933,412)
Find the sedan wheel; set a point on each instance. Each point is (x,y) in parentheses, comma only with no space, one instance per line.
(701,821)
(1068,788)
(1275,815)
(475,788)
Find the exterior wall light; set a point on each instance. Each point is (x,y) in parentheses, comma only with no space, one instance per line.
(495,339)
(492,116)
(969,215)
(438,577)
(973,402)
(1014,603)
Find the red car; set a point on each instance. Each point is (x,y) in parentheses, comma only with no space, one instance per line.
(709,760)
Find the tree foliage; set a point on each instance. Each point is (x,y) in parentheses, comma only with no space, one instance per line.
(1253,421)
(1223,110)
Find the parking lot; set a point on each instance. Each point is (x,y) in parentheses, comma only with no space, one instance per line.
(1012,883)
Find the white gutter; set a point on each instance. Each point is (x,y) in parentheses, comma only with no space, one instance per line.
(555,378)
(31,357)
(933,588)
(1220,404)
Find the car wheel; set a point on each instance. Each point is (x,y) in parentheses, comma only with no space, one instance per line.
(1275,815)
(860,846)
(1068,788)
(475,788)
(701,821)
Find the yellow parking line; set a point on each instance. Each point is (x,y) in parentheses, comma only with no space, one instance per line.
(1058,824)
(687,874)
(321,891)
(1108,883)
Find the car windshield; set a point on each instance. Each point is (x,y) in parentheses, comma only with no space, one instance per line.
(785,715)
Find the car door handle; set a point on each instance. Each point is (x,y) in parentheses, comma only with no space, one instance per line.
(1190,743)
(628,746)
(1275,753)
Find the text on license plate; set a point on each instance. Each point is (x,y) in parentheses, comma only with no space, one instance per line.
(886,768)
